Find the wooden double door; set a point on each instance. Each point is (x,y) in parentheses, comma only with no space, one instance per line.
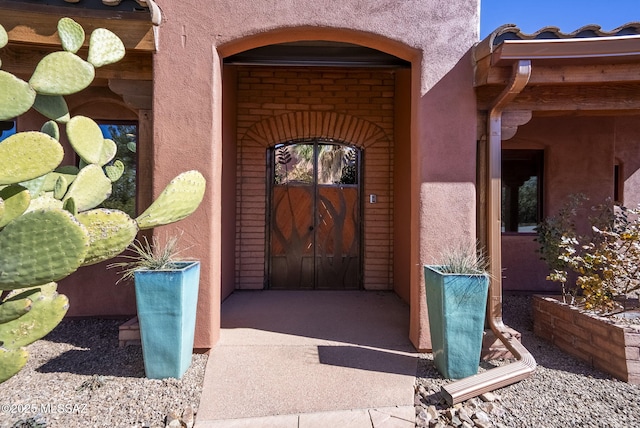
(314,216)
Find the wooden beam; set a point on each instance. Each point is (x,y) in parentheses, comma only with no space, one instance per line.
(511,120)
(568,98)
(561,74)
(40,27)
(22,60)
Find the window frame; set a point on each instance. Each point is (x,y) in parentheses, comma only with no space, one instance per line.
(116,122)
(536,157)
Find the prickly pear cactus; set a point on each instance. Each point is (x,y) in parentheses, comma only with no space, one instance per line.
(178,200)
(49,225)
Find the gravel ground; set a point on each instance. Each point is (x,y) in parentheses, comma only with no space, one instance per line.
(563,392)
(78,377)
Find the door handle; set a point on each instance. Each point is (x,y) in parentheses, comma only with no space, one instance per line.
(310,228)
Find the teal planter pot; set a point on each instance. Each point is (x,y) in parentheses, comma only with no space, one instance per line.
(166,302)
(457,304)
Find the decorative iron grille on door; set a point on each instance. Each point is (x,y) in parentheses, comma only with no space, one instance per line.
(314,226)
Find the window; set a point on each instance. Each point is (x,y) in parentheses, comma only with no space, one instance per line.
(521,190)
(618,183)
(322,161)
(7,128)
(125,135)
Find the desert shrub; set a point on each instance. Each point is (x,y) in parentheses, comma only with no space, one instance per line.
(605,260)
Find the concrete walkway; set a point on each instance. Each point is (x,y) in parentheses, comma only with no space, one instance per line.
(307,359)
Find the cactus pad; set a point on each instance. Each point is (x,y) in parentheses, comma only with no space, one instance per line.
(4,37)
(69,172)
(41,246)
(109,150)
(110,233)
(34,186)
(44,201)
(28,155)
(104,48)
(47,310)
(14,308)
(60,187)
(71,34)
(52,129)
(16,201)
(53,107)
(70,206)
(62,73)
(115,171)
(179,199)
(11,362)
(86,139)
(16,96)
(90,188)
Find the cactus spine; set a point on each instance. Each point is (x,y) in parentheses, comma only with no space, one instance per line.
(49,225)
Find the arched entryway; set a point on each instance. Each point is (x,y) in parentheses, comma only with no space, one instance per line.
(364,105)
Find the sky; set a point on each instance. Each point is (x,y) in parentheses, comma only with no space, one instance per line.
(568,15)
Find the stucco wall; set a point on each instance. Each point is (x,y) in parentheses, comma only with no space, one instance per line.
(580,154)
(433,35)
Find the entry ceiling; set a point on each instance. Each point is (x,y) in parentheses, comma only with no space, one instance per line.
(316,53)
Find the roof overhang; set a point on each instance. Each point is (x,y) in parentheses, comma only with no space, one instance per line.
(595,73)
(596,50)
(32,29)
(35,22)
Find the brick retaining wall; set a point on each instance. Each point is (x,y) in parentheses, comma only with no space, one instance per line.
(612,348)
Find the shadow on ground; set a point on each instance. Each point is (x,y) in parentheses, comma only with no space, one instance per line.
(95,347)
(357,357)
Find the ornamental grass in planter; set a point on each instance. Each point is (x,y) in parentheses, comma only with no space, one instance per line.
(456,293)
(166,301)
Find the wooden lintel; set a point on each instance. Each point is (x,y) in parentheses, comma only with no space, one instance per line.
(614,97)
(22,60)
(558,74)
(40,28)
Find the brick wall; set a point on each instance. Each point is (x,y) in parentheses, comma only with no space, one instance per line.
(275,105)
(611,348)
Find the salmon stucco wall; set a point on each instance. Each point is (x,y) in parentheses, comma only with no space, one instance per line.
(579,157)
(434,36)
(402,182)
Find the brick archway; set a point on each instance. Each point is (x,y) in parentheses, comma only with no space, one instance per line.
(310,124)
(252,189)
